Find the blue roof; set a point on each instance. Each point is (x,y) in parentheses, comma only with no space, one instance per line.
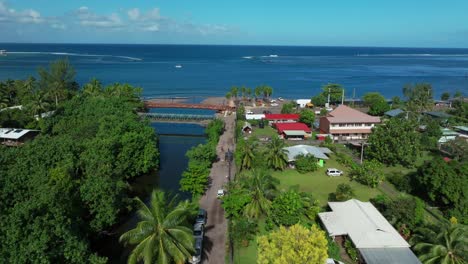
(394,112)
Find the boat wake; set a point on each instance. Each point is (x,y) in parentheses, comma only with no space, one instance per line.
(412,55)
(74,54)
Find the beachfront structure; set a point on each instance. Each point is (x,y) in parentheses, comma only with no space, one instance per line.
(293,130)
(346,123)
(318,152)
(281,118)
(304,103)
(13,137)
(254,116)
(372,235)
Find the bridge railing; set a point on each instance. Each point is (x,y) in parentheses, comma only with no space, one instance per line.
(164,116)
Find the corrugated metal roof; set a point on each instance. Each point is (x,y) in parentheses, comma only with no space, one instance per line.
(13,133)
(346,114)
(292,126)
(394,112)
(363,223)
(282,116)
(305,150)
(389,256)
(294,132)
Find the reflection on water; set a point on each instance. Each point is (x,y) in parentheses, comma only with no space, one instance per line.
(173,162)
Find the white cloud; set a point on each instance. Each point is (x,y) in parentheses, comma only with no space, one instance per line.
(152,28)
(133,14)
(27,16)
(88,18)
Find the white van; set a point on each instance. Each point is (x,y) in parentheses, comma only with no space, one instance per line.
(334,172)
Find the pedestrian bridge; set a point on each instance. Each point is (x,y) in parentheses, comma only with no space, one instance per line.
(219,108)
(177,117)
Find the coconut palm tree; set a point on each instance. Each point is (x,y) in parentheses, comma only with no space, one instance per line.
(39,103)
(248,154)
(3,96)
(262,189)
(442,244)
(276,155)
(258,91)
(162,235)
(234,92)
(93,88)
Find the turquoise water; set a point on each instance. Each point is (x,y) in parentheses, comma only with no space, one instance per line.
(293,72)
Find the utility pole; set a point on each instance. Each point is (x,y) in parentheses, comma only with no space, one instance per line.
(342,98)
(362,151)
(354,95)
(329,91)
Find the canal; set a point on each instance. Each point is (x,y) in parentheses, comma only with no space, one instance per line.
(174,141)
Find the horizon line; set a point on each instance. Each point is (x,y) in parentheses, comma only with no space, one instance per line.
(244,45)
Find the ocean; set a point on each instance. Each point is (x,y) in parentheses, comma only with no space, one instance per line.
(210,70)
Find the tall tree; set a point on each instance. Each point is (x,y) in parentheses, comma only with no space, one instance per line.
(335,90)
(58,80)
(419,97)
(394,142)
(376,103)
(307,117)
(444,244)
(445,96)
(258,91)
(247,150)
(163,234)
(234,92)
(276,155)
(261,187)
(93,88)
(296,244)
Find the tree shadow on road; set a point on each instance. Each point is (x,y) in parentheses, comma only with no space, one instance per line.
(207,245)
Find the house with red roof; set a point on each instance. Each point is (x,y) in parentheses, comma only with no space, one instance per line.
(293,130)
(346,123)
(281,118)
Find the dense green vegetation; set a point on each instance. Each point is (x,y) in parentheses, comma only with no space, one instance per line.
(67,187)
(376,103)
(195,177)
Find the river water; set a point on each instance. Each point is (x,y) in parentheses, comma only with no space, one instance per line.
(174,141)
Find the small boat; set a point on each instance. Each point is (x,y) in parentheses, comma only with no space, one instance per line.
(3,53)
(178,66)
(273,56)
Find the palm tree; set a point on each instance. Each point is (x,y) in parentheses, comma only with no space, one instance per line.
(443,244)
(93,88)
(258,91)
(248,154)
(162,235)
(262,189)
(3,96)
(234,92)
(276,156)
(249,93)
(39,103)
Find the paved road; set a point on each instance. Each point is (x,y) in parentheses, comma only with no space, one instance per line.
(216,228)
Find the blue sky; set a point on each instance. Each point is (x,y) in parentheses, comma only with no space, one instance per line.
(407,23)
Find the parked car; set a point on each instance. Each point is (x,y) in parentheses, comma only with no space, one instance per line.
(272,101)
(334,172)
(196,258)
(249,112)
(220,193)
(280,99)
(198,230)
(274,104)
(332,261)
(201,217)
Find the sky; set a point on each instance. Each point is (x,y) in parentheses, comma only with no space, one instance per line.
(395,23)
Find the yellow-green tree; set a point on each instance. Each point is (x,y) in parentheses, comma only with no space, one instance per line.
(296,244)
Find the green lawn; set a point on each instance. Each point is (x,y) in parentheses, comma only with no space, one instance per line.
(321,185)
(268,131)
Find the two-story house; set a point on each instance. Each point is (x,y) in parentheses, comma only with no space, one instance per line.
(346,123)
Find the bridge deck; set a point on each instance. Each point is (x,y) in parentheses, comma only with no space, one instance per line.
(150,104)
(163,116)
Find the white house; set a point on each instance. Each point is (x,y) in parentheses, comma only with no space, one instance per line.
(302,102)
(372,235)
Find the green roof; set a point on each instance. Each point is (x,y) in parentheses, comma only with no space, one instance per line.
(294,132)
